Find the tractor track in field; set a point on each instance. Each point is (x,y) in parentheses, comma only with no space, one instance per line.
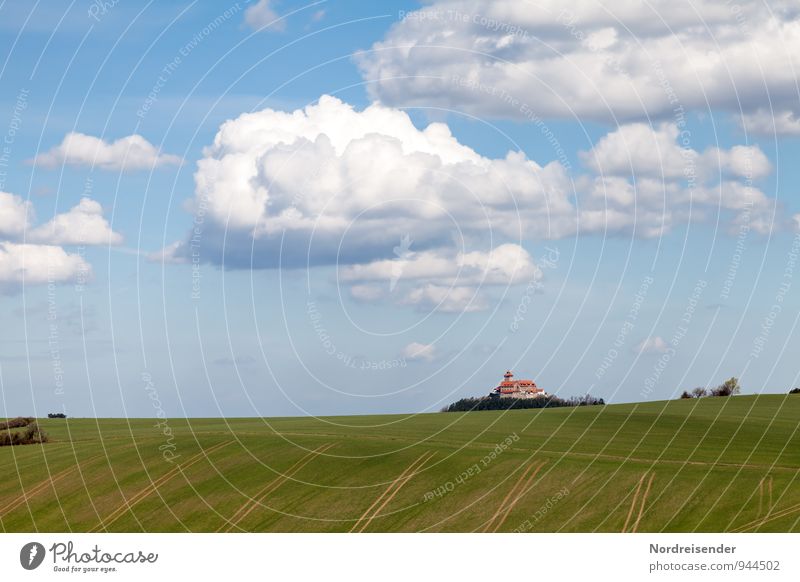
(757,523)
(633,501)
(765,490)
(642,503)
(42,486)
(389,493)
(130,502)
(251,504)
(515,494)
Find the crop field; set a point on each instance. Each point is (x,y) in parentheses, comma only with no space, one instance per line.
(713,464)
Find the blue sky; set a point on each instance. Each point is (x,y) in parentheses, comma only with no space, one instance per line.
(585,259)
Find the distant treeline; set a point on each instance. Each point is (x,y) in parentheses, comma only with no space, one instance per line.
(495,403)
(31,433)
(56,415)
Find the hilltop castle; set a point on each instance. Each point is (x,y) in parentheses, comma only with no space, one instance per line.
(510,388)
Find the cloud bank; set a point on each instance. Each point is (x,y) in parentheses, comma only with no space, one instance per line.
(588,59)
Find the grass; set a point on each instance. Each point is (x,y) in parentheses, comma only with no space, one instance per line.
(715,464)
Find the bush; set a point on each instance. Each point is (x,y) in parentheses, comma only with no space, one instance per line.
(31,434)
(794,391)
(685,395)
(18,422)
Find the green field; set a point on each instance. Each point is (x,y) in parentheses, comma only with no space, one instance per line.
(715,464)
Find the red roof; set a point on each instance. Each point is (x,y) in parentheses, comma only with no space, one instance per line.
(509,386)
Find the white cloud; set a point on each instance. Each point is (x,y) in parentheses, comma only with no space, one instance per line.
(83,224)
(16,215)
(128,153)
(34,255)
(652,345)
(262,15)
(765,122)
(330,185)
(588,59)
(640,150)
(346,186)
(742,161)
(418,351)
(647,182)
(38,264)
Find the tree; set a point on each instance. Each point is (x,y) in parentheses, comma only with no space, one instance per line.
(685,395)
(699,392)
(794,391)
(729,387)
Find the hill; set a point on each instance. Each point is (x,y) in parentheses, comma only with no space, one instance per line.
(714,464)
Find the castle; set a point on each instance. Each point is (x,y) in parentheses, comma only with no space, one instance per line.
(510,388)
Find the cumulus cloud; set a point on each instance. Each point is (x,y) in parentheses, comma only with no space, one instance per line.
(646,180)
(33,255)
(652,345)
(414,216)
(418,351)
(38,264)
(262,15)
(741,161)
(128,153)
(16,214)
(588,59)
(83,224)
(641,150)
(328,184)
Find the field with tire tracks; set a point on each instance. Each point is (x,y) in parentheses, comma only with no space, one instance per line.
(714,464)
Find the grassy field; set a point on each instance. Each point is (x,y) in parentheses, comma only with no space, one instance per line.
(716,464)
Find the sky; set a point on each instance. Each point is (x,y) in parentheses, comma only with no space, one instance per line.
(278,208)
